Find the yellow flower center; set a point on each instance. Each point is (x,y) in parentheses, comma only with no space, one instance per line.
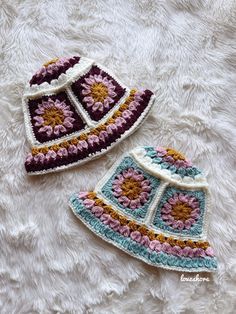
(181,211)
(53,116)
(175,154)
(99,92)
(54,60)
(131,188)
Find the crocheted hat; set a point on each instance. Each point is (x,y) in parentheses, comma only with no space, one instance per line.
(154,205)
(76,110)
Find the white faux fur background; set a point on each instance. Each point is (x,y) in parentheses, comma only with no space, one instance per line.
(185,51)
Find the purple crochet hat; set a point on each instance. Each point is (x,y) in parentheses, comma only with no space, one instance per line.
(76,110)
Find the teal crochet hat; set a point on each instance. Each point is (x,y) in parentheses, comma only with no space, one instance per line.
(154,205)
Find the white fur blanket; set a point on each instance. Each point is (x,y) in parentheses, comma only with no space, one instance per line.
(185,50)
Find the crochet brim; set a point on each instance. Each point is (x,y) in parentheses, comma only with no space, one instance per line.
(146,245)
(55,159)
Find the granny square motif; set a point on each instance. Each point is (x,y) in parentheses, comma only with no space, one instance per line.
(153,204)
(135,202)
(53,117)
(76,110)
(98,92)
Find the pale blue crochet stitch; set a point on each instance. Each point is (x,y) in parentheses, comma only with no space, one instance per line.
(196,229)
(151,211)
(106,190)
(125,243)
(191,171)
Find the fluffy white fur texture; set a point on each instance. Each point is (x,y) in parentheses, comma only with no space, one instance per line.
(183,49)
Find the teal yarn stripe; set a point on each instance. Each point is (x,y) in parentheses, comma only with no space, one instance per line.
(190,172)
(140,251)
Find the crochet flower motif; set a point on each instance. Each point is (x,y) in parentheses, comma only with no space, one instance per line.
(173,157)
(131,188)
(53,117)
(180,211)
(99,92)
(174,161)
(53,69)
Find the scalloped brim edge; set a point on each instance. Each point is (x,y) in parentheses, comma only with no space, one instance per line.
(128,245)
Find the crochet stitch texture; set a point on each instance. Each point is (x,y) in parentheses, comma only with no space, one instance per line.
(154,205)
(76,110)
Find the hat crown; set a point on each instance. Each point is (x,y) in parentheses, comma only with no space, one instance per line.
(52,69)
(170,164)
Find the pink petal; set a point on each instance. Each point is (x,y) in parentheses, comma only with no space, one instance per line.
(124,200)
(51,155)
(115,224)
(83,195)
(86,92)
(112,94)
(46,129)
(166,217)
(90,80)
(155,245)
(68,122)
(119,181)
(103,135)
(82,145)
(166,247)
(106,104)
(97,210)
(39,111)
(29,159)
(186,251)
(180,225)
(57,130)
(136,236)
(144,194)
(194,204)
(165,210)
(145,241)
(88,203)
(195,216)
(172,201)
(125,230)
(183,198)
(105,218)
(133,204)
(161,151)
(39,158)
(196,211)
(67,113)
(39,120)
(120,121)
(138,177)
(176,250)
(174,224)
(209,251)
(169,159)
(146,188)
(72,150)
(88,99)
(62,152)
(145,183)
(97,106)
(167,206)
